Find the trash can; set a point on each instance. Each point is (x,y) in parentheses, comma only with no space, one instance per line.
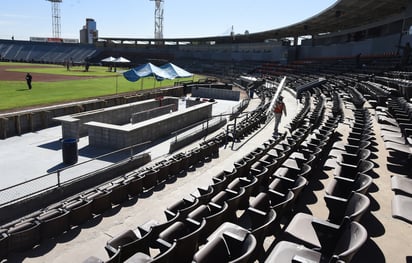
(69,149)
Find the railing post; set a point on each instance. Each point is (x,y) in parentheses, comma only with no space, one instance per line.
(58,178)
(234,132)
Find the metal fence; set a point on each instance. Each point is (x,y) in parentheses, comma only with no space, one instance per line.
(60,177)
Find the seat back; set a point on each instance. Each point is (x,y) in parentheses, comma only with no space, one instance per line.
(357,205)
(186,236)
(365,166)
(362,183)
(261,202)
(351,239)
(305,170)
(215,251)
(240,252)
(165,257)
(203,195)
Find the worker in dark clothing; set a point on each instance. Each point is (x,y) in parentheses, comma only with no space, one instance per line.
(28,80)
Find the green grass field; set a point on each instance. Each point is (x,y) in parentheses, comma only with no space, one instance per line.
(97,82)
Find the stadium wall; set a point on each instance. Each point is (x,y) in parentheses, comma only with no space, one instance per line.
(375,46)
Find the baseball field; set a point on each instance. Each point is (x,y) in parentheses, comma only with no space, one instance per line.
(53,84)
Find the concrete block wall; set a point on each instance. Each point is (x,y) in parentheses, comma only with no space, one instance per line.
(117,137)
(190,103)
(73,125)
(213,93)
(152,113)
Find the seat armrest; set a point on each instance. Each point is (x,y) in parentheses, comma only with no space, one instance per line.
(192,221)
(110,249)
(287,179)
(256,211)
(218,207)
(169,214)
(345,179)
(277,193)
(163,244)
(231,191)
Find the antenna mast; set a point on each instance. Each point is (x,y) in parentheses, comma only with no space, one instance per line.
(56,17)
(158,15)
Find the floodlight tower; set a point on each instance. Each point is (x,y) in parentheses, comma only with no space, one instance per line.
(158,33)
(55,17)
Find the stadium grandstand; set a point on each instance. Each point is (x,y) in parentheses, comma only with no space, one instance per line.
(334,186)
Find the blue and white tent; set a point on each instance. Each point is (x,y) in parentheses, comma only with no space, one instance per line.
(175,71)
(167,71)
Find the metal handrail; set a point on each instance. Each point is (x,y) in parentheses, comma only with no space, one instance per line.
(58,172)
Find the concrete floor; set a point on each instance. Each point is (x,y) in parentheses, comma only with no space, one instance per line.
(390,239)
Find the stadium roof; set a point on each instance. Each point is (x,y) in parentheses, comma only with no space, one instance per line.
(343,15)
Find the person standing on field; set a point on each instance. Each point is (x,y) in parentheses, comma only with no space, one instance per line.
(28,80)
(280,108)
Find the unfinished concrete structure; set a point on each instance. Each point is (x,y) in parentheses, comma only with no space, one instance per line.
(130,124)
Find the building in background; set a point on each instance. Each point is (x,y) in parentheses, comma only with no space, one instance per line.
(89,32)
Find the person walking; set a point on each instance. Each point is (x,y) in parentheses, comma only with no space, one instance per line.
(280,108)
(28,80)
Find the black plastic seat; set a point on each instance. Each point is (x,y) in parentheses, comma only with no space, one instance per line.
(128,243)
(80,210)
(354,207)
(300,229)
(261,173)
(186,236)
(119,192)
(339,246)
(213,214)
(227,244)
(24,235)
(342,186)
(247,184)
(232,198)
(100,199)
(53,222)
(352,170)
(162,257)
(164,170)
(203,195)
(134,184)
(150,178)
(260,225)
(222,179)
(181,208)
(155,227)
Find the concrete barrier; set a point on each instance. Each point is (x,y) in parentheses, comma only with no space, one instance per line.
(121,136)
(73,125)
(213,93)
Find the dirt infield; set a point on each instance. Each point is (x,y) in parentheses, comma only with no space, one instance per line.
(44,77)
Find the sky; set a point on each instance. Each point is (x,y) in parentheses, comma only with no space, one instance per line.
(135,18)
